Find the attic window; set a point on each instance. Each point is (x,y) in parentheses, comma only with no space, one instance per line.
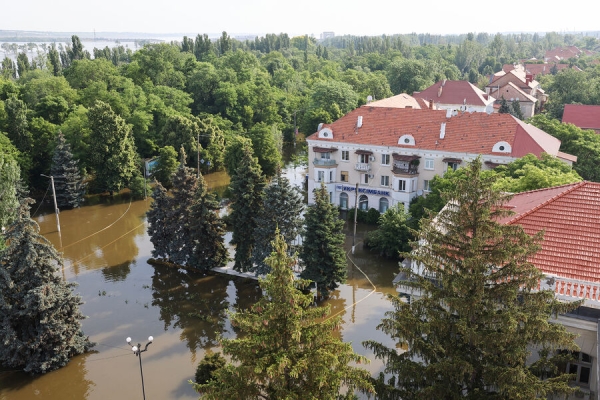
(408,140)
(502,147)
(325,133)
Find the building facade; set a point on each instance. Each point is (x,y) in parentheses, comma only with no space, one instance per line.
(377,157)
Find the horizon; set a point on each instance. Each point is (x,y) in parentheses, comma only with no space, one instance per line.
(312,17)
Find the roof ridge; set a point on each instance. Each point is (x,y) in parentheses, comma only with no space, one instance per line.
(550,200)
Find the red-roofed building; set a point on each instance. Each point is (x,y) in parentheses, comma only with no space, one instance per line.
(394,153)
(523,85)
(582,116)
(562,53)
(569,256)
(457,95)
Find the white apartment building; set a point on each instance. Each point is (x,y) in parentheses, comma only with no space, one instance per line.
(394,153)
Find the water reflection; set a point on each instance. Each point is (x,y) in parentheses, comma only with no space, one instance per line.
(192,302)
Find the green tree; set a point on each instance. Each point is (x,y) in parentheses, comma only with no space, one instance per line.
(408,76)
(18,125)
(160,222)
(22,64)
(234,153)
(322,253)
(285,350)
(281,210)
(504,107)
(266,144)
(185,185)
(246,201)
(207,230)
(9,181)
(515,109)
(479,311)
(68,183)
(40,328)
(392,236)
(585,144)
(111,148)
(166,166)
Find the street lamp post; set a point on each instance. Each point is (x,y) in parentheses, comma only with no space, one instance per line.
(55,204)
(137,350)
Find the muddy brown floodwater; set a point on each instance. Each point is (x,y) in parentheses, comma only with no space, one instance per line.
(106,251)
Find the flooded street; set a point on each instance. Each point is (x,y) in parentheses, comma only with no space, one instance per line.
(106,251)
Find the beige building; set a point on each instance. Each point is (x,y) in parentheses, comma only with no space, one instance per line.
(392,154)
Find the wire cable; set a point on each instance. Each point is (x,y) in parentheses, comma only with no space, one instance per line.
(41,201)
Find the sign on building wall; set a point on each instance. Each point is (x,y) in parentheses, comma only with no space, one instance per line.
(344,188)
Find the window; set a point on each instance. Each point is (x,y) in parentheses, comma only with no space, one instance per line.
(325,156)
(363,203)
(426,186)
(429,163)
(402,185)
(384,204)
(385,159)
(581,367)
(366,181)
(330,176)
(385,180)
(320,176)
(452,166)
(344,176)
(363,158)
(345,155)
(344,201)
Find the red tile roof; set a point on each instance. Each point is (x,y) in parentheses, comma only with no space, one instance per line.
(544,69)
(583,116)
(475,133)
(401,100)
(454,92)
(570,218)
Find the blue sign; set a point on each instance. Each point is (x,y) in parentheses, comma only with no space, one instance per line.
(377,192)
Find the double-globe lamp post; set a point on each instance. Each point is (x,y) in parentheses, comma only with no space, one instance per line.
(137,350)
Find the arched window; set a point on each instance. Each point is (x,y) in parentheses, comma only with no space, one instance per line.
(384,204)
(363,203)
(344,201)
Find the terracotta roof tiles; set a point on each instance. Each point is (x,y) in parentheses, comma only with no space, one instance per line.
(583,116)
(569,215)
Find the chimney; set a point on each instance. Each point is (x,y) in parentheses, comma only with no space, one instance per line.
(440,90)
(359,121)
(448,113)
(431,104)
(443,130)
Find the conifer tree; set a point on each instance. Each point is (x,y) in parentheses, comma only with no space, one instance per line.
(285,350)
(40,328)
(68,184)
(246,196)
(322,253)
(207,230)
(184,187)
(515,109)
(282,209)
(504,107)
(478,313)
(9,182)
(160,222)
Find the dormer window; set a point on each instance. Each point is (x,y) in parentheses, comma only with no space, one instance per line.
(407,140)
(502,147)
(325,133)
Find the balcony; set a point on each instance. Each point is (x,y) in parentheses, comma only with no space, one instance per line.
(364,167)
(324,162)
(404,171)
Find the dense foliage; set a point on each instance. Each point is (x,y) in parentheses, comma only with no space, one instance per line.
(475,313)
(202,94)
(285,349)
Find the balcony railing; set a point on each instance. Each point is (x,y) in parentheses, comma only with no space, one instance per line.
(571,290)
(324,162)
(404,171)
(363,167)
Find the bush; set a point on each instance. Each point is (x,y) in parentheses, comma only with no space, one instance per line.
(372,216)
(209,364)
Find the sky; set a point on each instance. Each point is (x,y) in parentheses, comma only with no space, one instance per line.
(257,17)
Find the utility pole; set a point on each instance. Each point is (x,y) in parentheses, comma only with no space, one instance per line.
(355,216)
(55,205)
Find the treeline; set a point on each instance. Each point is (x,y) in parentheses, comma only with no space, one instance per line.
(201,94)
